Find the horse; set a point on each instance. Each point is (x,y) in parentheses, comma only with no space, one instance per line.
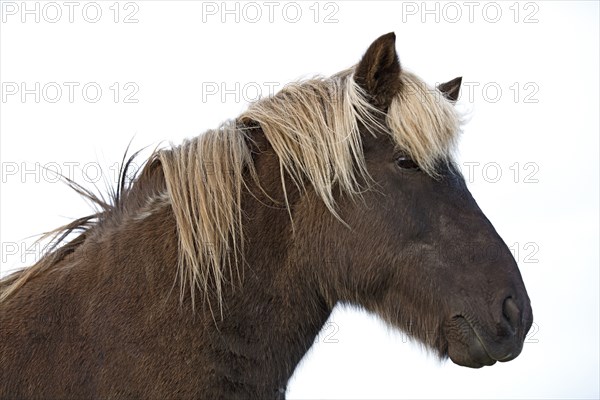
(210,273)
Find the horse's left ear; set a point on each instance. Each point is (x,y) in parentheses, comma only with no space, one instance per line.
(378,73)
(451,89)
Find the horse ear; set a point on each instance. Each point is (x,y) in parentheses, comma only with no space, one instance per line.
(378,73)
(451,89)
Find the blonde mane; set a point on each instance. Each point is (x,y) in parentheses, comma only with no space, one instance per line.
(313,127)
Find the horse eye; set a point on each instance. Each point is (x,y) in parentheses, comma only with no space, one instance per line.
(406,163)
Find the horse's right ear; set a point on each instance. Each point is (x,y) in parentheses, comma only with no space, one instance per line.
(378,73)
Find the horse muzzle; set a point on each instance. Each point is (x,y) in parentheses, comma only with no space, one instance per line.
(472,345)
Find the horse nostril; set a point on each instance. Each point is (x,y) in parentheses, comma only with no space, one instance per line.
(511,312)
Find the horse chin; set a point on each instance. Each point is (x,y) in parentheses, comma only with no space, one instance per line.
(468,350)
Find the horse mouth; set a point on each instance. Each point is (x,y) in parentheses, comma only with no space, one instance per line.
(467,348)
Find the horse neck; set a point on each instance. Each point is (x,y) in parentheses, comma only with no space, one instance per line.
(270,317)
(271,321)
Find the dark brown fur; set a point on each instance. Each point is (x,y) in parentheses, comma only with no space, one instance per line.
(105,320)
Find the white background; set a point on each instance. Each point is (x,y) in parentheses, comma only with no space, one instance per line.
(548,213)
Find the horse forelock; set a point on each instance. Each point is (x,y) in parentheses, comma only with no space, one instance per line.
(423,124)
